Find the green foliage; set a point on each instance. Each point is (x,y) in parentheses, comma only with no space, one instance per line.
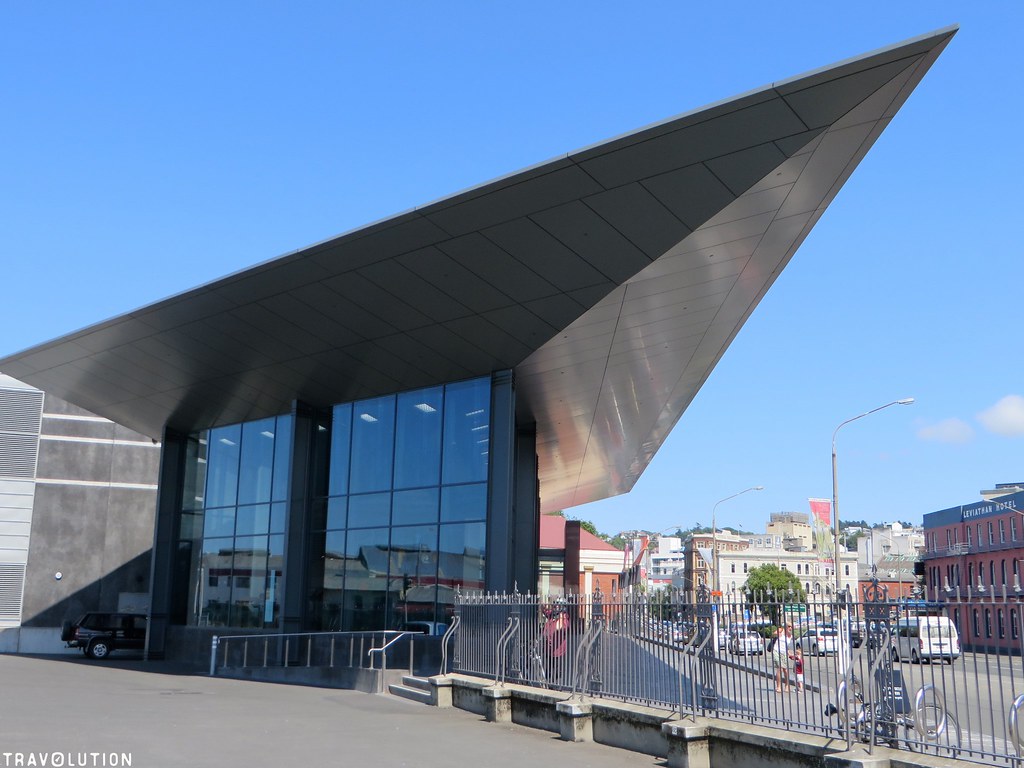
(768,585)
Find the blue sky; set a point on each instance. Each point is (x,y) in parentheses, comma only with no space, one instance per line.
(148,148)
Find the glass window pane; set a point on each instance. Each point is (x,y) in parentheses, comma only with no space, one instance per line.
(213,587)
(219,522)
(249,590)
(282,458)
(462,554)
(371,509)
(464,502)
(466,431)
(194,486)
(337,510)
(222,466)
(419,506)
(275,573)
(413,582)
(333,581)
(373,444)
(278,515)
(418,438)
(257,462)
(252,520)
(366,579)
(341,434)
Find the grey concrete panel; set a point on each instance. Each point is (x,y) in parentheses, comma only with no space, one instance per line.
(55,405)
(100,430)
(134,464)
(74,461)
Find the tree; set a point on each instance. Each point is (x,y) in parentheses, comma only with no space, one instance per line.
(768,586)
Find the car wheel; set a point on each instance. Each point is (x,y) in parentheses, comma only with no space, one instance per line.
(814,649)
(66,631)
(99,649)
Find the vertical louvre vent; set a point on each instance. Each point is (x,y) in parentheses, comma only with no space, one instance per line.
(21,410)
(21,415)
(12,583)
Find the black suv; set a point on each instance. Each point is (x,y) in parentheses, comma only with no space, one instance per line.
(97,634)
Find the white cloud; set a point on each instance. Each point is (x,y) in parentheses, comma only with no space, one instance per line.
(947,431)
(1005,417)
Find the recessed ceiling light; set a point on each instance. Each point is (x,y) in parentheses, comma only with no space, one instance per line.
(225,441)
(477,412)
(267,433)
(368,418)
(426,408)
(477,429)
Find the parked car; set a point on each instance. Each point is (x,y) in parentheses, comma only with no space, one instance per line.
(100,634)
(745,643)
(723,639)
(856,633)
(925,638)
(818,641)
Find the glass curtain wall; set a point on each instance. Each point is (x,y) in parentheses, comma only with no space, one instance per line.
(233,521)
(403,518)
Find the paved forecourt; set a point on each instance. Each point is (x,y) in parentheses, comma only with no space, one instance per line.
(71,707)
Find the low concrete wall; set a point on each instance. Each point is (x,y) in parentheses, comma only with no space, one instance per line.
(365,680)
(689,743)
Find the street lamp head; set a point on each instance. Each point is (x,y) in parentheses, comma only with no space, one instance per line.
(905,401)
(758,487)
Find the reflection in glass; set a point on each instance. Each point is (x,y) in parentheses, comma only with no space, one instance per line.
(249,581)
(418,438)
(222,466)
(330,598)
(194,485)
(213,588)
(466,431)
(373,439)
(341,435)
(462,554)
(219,522)
(413,577)
(419,506)
(371,509)
(252,520)
(278,513)
(366,579)
(282,458)
(464,502)
(257,461)
(337,512)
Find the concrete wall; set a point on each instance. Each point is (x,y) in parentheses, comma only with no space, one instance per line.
(92,523)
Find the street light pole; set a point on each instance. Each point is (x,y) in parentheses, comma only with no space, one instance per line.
(841,661)
(714,536)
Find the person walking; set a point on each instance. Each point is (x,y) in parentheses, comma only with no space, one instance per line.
(782,657)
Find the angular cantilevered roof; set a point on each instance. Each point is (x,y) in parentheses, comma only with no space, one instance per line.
(611,280)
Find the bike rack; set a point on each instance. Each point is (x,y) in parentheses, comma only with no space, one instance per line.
(500,664)
(583,653)
(456,620)
(919,708)
(1014,722)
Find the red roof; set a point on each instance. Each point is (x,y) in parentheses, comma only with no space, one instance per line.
(552,535)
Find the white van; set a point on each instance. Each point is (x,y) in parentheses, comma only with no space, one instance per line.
(925,637)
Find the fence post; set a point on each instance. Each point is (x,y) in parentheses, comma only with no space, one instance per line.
(213,655)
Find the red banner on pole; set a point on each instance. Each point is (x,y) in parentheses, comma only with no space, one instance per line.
(821,509)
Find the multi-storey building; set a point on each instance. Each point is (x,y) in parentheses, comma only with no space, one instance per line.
(972,560)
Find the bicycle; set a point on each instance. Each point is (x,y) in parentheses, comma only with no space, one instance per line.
(894,723)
